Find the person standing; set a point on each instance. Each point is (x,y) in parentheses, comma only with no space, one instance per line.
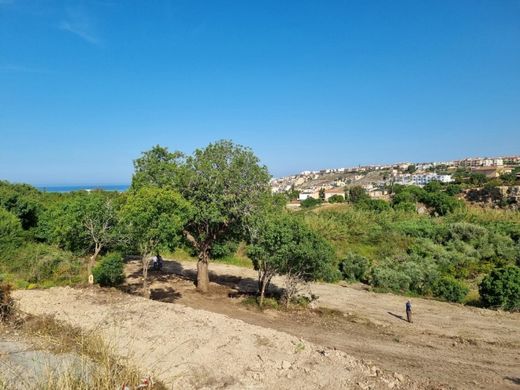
(409,311)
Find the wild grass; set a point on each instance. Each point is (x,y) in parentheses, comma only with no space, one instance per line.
(96,367)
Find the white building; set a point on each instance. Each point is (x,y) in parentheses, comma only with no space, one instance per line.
(422,179)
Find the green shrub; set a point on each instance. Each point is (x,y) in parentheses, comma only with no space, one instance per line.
(41,264)
(450,289)
(501,288)
(354,267)
(310,202)
(109,271)
(11,232)
(336,199)
(390,279)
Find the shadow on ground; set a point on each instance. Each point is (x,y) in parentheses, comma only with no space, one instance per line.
(239,286)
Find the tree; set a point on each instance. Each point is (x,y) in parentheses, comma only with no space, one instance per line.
(223,182)
(501,288)
(153,219)
(284,245)
(321,194)
(357,194)
(310,202)
(411,168)
(157,168)
(84,222)
(23,201)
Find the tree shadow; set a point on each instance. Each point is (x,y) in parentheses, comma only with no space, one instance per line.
(240,286)
(515,380)
(397,316)
(165,294)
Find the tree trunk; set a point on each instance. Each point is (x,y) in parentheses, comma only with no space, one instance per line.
(92,263)
(262,290)
(146,290)
(202,272)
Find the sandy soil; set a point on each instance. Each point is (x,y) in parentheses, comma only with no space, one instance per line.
(188,348)
(447,346)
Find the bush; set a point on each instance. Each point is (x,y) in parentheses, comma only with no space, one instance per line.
(450,289)
(501,288)
(7,305)
(109,271)
(310,202)
(336,199)
(40,264)
(354,267)
(11,232)
(388,278)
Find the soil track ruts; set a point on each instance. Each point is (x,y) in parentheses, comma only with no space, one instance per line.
(448,345)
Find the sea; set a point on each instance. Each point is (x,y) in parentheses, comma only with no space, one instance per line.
(104,187)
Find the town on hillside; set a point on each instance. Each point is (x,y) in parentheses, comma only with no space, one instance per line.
(378,179)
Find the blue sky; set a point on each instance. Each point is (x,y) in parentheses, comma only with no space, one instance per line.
(86,86)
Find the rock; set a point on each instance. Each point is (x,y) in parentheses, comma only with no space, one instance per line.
(285,365)
(398,376)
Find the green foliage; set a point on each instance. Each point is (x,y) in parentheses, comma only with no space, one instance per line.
(310,202)
(501,288)
(354,267)
(377,205)
(80,220)
(336,199)
(153,218)
(223,249)
(21,200)
(357,194)
(11,232)
(109,270)
(42,265)
(450,289)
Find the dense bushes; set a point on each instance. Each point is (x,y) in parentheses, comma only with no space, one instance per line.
(354,267)
(41,265)
(109,271)
(450,289)
(501,288)
(11,233)
(310,202)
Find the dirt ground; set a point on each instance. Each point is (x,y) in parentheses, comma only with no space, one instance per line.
(447,346)
(187,348)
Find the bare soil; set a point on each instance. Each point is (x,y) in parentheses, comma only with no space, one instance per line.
(447,345)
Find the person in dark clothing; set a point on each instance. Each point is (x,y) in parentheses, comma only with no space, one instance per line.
(409,311)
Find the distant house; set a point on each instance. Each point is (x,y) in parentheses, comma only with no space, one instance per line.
(334,191)
(308,194)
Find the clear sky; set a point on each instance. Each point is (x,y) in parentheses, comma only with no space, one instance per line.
(86,86)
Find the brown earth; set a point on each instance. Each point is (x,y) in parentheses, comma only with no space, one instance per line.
(195,349)
(447,346)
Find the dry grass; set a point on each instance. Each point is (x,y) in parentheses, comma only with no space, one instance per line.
(94,366)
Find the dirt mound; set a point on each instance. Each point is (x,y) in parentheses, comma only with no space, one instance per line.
(188,348)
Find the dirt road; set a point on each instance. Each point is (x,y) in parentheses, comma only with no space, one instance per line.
(448,345)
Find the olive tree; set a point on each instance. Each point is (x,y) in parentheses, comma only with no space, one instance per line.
(153,218)
(223,182)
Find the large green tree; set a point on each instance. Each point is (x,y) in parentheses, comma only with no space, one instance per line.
(153,218)
(223,182)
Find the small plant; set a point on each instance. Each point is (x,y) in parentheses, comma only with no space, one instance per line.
(7,306)
(109,271)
